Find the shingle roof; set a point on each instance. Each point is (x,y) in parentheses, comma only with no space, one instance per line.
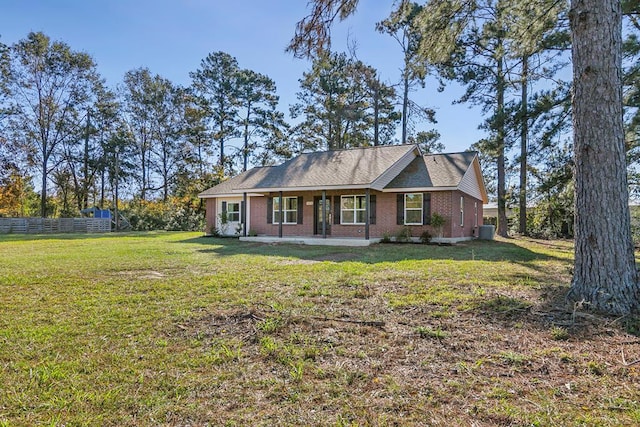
(357,168)
(434,170)
(340,168)
(246,179)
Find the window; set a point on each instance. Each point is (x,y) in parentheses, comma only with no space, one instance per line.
(475,214)
(353,209)
(233,212)
(461,211)
(413,209)
(289,210)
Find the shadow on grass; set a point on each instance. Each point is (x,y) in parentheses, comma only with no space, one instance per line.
(476,250)
(14,237)
(553,314)
(541,308)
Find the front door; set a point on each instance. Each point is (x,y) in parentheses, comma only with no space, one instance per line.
(319,218)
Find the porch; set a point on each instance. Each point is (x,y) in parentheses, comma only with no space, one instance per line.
(342,241)
(306,240)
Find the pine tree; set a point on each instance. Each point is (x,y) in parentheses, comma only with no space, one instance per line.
(215,83)
(605,276)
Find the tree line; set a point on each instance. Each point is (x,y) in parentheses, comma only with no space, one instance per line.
(150,139)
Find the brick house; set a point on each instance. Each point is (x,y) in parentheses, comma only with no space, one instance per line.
(361,194)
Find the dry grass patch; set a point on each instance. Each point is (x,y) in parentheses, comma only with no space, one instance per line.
(173,329)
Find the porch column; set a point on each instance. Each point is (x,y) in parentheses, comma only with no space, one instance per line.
(366,213)
(280,208)
(324,214)
(244,214)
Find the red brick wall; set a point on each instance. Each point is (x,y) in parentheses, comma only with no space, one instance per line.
(468,227)
(386,223)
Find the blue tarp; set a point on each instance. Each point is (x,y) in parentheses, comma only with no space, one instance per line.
(97,213)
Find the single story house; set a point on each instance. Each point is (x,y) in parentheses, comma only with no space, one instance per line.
(360,194)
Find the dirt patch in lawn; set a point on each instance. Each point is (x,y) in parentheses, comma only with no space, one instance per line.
(359,361)
(142,274)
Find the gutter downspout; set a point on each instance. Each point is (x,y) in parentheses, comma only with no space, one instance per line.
(244,214)
(324,214)
(367,209)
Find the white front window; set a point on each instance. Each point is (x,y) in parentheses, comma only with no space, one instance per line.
(413,209)
(233,212)
(289,210)
(353,209)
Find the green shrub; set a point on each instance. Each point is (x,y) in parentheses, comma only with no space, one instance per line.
(386,237)
(176,214)
(437,222)
(403,235)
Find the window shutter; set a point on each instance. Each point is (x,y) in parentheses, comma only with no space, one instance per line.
(372,209)
(400,211)
(243,217)
(426,208)
(300,209)
(269,210)
(224,207)
(336,209)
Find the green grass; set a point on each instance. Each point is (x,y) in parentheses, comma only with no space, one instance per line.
(176,329)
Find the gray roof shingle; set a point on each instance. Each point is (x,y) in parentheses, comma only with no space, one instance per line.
(351,168)
(355,167)
(434,170)
(246,179)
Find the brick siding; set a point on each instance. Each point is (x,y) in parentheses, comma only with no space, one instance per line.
(446,203)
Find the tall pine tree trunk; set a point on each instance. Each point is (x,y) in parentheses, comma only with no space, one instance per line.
(524,131)
(245,148)
(605,276)
(500,139)
(405,104)
(376,114)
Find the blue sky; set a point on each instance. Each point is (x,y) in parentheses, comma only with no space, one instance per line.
(171,37)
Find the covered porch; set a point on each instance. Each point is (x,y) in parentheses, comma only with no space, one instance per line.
(306,240)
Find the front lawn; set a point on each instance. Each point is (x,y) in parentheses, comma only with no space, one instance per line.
(176,329)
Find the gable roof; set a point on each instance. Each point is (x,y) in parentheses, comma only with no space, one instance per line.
(382,168)
(453,171)
(434,170)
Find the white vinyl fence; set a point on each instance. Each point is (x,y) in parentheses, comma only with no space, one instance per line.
(54,225)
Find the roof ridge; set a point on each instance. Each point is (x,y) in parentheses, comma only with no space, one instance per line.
(448,154)
(361,148)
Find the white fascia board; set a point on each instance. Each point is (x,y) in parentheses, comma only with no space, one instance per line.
(298,189)
(218,196)
(240,193)
(418,189)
